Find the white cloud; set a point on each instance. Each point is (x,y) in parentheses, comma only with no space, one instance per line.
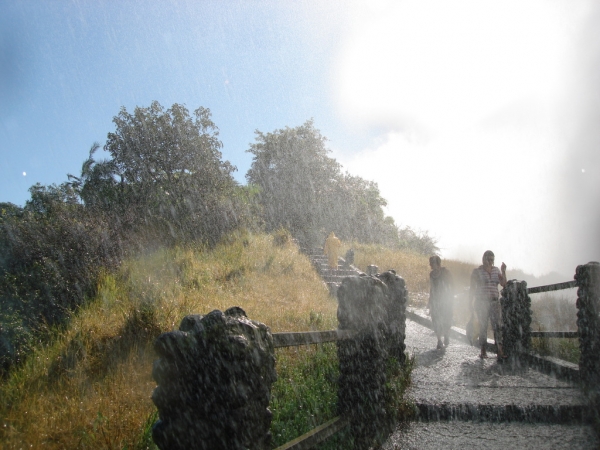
(473,94)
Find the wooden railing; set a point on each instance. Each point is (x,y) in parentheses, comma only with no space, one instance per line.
(317,435)
(328,429)
(309,337)
(552,288)
(517,333)
(555,334)
(233,357)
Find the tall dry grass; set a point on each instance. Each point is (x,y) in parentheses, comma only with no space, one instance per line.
(91,387)
(414,268)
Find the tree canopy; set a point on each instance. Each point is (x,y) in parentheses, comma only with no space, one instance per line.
(165,174)
(304,190)
(164,182)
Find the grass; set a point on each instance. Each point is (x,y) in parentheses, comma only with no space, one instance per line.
(91,387)
(305,393)
(555,312)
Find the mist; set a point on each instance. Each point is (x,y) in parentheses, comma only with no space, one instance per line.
(489,116)
(580,174)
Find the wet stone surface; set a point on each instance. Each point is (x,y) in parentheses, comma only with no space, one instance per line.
(480,435)
(465,402)
(457,375)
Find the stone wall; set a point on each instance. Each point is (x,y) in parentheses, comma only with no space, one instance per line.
(373,307)
(215,373)
(588,322)
(214,381)
(516,316)
(396,313)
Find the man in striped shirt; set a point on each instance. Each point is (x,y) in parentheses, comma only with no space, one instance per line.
(484,291)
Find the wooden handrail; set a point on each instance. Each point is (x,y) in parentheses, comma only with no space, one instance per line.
(316,435)
(552,287)
(309,337)
(554,334)
(325,431)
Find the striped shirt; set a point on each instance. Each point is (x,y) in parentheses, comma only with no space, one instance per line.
(486,284)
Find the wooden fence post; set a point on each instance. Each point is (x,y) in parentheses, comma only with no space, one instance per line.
(364,306)
(516,316)
(214,381)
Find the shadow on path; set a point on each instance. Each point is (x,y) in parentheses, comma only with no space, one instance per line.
(463,401)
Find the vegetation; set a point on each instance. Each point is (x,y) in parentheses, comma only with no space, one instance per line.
(555,312)
(305,394)
(94,269)
(90,387)
(52,251)
(165,179)
(164,184)
(304,190)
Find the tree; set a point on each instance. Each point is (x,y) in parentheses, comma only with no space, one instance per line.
(165,175)
(296,179)
(418,242)
(358,207)
(303,189)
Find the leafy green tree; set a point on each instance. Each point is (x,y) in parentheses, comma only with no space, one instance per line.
(295,175)
(356,210)
(303,189)
(419,242)
(165,175)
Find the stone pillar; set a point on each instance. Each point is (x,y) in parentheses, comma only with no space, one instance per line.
(373,309)
(214,381)
(516,316)
(588,322)
(372,270)
(396,313)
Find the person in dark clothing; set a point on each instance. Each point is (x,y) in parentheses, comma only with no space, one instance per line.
(441,296)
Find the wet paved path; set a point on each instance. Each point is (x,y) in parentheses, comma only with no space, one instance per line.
(465,402)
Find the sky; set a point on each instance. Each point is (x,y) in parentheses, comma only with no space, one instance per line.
(478,119)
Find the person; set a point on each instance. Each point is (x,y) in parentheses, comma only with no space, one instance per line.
(331,249)
(485,301)
(441,291)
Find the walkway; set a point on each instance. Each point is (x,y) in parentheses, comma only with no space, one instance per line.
(465,402)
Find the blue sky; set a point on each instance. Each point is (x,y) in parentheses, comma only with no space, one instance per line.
(477,118)
(68,67)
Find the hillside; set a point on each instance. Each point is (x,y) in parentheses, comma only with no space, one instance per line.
(91,387)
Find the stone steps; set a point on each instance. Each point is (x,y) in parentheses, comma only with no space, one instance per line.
(558,414)
(453,389)
(331,277)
